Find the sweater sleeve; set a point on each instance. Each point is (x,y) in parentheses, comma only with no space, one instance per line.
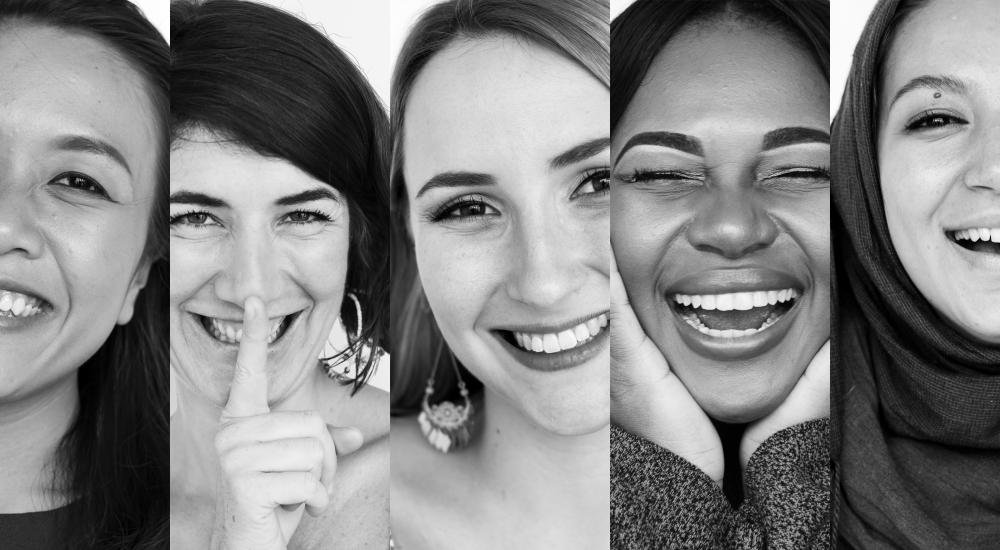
(659,500)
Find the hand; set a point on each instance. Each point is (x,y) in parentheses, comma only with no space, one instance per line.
(808,400)
(271,462)
(647,398)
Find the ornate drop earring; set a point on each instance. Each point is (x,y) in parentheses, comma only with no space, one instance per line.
(446,425)
(345,373)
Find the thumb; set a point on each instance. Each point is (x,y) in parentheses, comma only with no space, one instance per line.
(346,440)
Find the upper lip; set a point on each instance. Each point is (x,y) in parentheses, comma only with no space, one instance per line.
(990,220)
(21,288)
(740,279)
(552,327)
(236,316)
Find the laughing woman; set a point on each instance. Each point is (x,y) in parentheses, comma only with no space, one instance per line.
(917,356)
(83,276)
(500,284)
(720,230)
(278,204)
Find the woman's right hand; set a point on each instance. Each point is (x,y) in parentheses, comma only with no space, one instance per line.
(647,398)
(271,462)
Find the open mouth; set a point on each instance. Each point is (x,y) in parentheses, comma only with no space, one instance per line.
(735,314)
(977,239)
(231,332)
(19,305)
(555,342)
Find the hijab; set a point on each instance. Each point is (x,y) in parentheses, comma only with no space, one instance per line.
(917,414)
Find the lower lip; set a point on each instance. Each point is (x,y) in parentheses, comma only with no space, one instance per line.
(742,347)
(979,260)
(561,360)
(15,323)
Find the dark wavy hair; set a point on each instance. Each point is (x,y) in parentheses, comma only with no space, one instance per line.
(114,458)
(262,78)
(641,31)
(577,30)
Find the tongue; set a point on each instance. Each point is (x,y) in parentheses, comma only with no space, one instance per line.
(736,320)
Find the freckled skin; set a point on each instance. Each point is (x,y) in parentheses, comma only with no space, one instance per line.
(79,250)
(726,85)
(939,179)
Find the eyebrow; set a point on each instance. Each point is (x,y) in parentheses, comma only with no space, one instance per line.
(307,196)
(579,153)
(783,137)
(457,179)
(681,142)
(94,146)
(933,82)
(200,199)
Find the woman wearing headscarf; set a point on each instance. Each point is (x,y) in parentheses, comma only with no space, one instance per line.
(916,354)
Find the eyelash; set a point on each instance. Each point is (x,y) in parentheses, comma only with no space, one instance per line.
(644,176)
(445,211)
(185,218)
(315,216)
(591,177)
(923,121)
(90,186)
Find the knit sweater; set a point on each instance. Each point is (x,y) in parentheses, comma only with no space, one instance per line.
(659,500)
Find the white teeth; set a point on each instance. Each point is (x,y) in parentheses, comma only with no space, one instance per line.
(976,234)
(738,301)
(729,333)
(564,340)
(231,332)
(15,304)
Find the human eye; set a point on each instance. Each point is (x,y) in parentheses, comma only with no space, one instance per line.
(796,178)
(595,183)
(466,208)
(932,120)
(193,219)
(80,182)
(303,217)
(670,183)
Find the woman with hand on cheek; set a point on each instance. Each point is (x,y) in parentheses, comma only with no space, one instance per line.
(916,156)
(277,208)
(84,113)
(721,311)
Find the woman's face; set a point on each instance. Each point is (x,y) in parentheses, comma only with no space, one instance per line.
(78,155)
(939,158)
(721,215)
(245,225)
(506,172)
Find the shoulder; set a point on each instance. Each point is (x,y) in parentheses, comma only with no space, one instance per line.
(367,410)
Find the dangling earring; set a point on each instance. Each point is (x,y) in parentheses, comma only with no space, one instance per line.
(345,373)
(446,425)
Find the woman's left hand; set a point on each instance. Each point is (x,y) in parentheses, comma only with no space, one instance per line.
(808,400)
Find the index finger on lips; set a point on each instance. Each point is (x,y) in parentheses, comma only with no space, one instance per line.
(248,392)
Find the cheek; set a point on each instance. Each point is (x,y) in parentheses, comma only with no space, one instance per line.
(191,266)
(457,273)
(320,265)
(642,230)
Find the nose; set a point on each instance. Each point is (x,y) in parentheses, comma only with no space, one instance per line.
(20,231)
(249,268)
(546,260)
(984,172)
(732,224)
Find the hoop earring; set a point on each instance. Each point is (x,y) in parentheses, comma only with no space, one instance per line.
(446,425)
(352,343)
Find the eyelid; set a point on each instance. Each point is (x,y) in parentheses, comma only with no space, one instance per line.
(99,192)
(911,124)
(438,214)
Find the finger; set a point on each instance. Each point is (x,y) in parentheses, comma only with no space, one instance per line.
(285,489)
(625,329)
(248,392)
(269,427)
(346,440)
(284,455)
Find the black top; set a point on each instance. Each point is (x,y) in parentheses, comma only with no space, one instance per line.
(32,530)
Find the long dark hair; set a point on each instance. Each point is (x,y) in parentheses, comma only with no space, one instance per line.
(642,30)
(113,461)
(576,29)
(263,79)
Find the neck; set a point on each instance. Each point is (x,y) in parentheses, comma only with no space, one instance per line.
(30,432)
(194,466)
(560,477)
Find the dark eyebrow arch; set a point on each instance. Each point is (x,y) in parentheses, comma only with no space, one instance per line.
(94,146)
(199,199)
(579,153)
(307,196)
(681,142)
(933,82)
(783,137)
(457,179)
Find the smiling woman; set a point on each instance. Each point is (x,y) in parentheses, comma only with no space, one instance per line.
(720,230)
(918,275)
(83,285)
(277,229)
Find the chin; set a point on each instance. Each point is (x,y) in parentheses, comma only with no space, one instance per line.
(724,406)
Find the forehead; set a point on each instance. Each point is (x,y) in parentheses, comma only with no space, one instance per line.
(733,72)
(201,161)
(56,81)
(488,102)
(952,37)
